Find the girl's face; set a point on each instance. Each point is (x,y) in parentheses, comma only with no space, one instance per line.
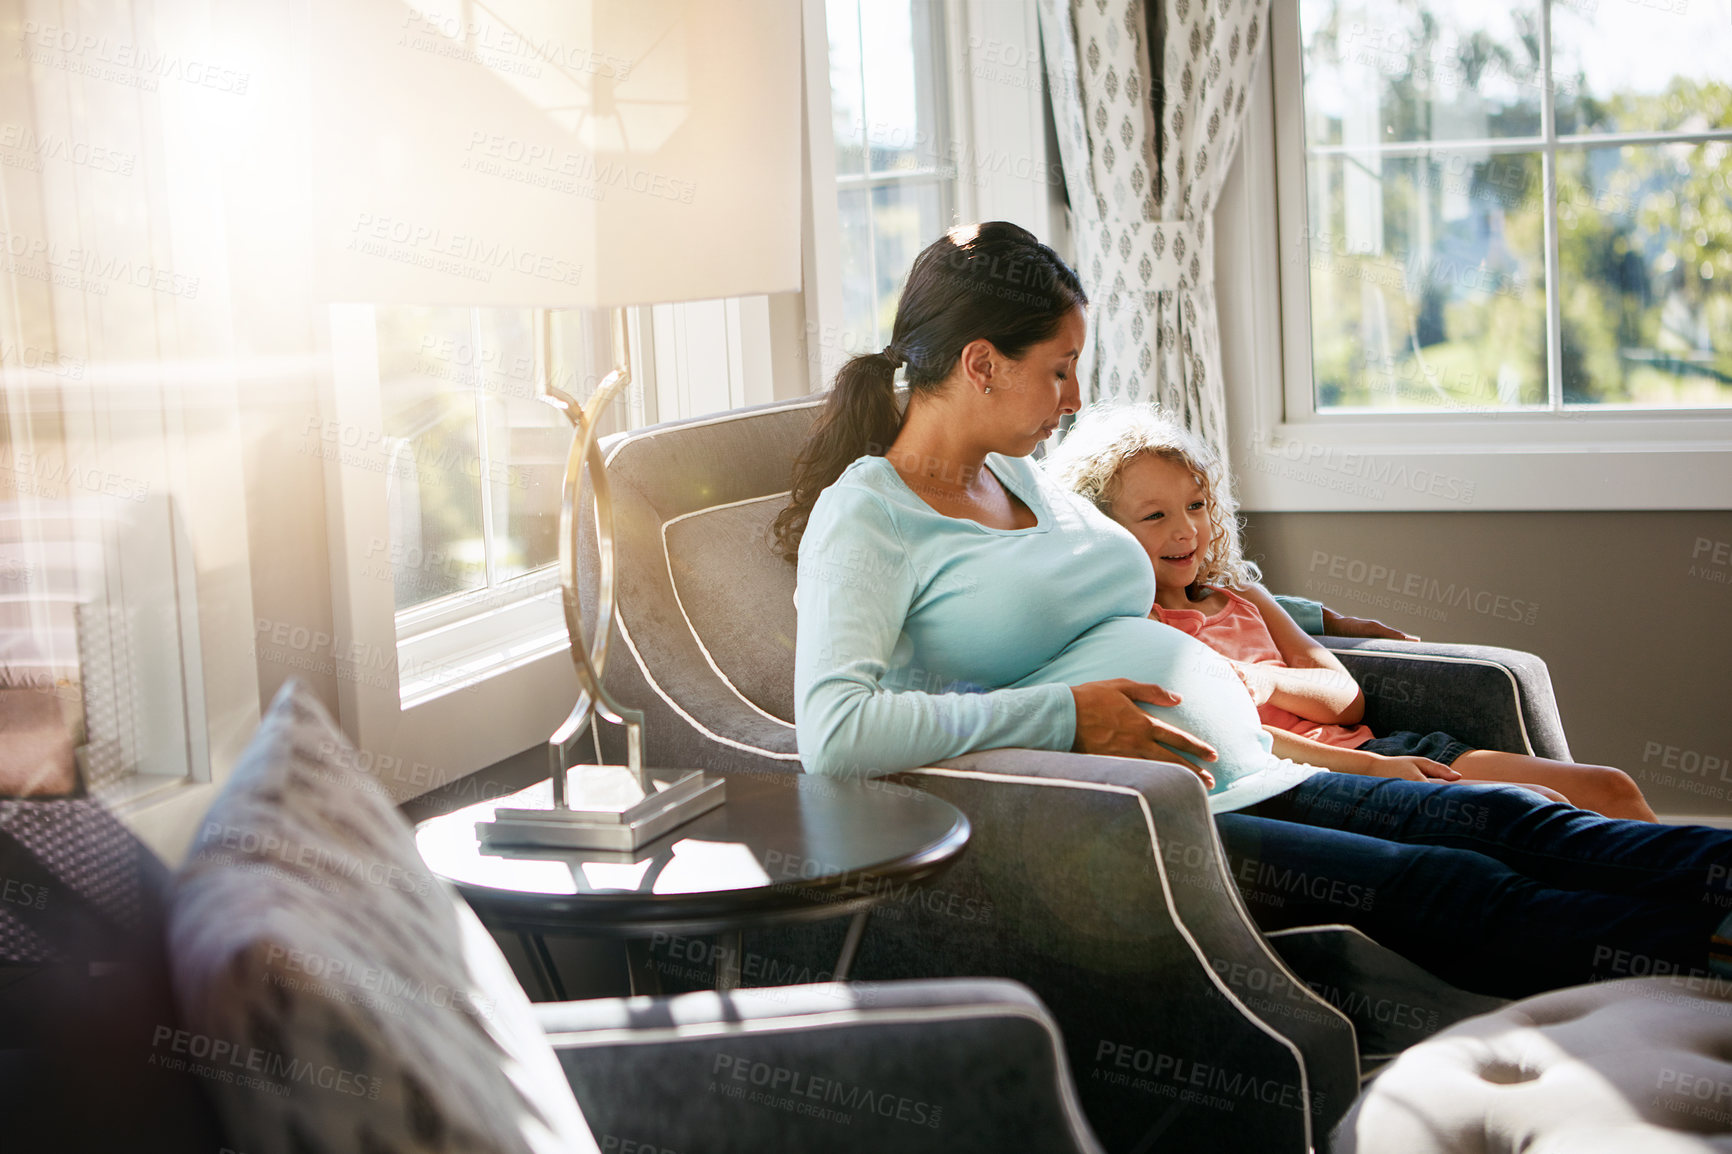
(1166,510)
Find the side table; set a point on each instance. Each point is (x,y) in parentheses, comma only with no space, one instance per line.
(783,848)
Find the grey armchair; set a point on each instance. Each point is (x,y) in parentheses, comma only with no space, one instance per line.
(1107,888)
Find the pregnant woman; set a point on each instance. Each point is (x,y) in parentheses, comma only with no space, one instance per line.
(952,598)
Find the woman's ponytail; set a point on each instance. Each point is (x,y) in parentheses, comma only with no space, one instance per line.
(860,418)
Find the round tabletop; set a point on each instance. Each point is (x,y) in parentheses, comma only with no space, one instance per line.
(782,847)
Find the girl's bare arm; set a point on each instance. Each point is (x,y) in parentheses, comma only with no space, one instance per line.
(1315,686)
(1333,757)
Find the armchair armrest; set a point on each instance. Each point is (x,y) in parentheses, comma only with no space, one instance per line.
(1100,883)
(1488,697)
(946,1067)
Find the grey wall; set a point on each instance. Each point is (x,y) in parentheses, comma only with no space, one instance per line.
(1632,612)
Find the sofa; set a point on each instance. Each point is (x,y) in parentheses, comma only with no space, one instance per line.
(1109,893)
(303,984)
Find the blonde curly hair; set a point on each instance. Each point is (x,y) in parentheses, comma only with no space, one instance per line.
(1096,449)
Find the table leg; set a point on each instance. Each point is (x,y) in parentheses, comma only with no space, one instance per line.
(553,981)
(850,945)
(541,965)
(640,967)
(728,960)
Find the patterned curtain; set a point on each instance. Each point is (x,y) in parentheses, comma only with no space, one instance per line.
(1142,199)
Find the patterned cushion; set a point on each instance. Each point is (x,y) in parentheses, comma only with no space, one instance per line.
(336,994)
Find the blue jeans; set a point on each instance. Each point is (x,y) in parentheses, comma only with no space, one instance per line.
(1490,887)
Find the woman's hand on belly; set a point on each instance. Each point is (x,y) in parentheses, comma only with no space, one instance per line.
(1109,722)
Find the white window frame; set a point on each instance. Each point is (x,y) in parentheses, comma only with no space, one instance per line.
(998,143)
(510,686)
(437,692)
(1290,457)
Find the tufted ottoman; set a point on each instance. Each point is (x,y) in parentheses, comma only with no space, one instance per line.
(1628,1067)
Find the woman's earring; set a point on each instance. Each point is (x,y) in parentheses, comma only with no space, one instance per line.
(988,389)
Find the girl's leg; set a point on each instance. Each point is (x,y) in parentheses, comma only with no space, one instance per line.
(1601,788)
(1557,845)
(1464,916)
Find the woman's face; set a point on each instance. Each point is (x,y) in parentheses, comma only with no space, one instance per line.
(1166,510)
(1036,390)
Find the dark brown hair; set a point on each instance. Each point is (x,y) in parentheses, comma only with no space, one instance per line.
(993,282)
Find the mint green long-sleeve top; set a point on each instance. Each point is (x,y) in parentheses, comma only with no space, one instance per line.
(923,637)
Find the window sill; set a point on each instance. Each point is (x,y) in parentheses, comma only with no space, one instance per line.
(1456,462)
(166,818)
(482,645)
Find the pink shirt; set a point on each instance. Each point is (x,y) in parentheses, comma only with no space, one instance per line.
(1238,632)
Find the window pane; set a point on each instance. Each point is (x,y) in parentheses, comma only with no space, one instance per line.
(847,112)
(859,300)
(526,446)
(903,111)
(429,363)
(887,65)
(1657,66)
(582,352)
(1386,72)
(1427,281)
(1645,264)
(906,218)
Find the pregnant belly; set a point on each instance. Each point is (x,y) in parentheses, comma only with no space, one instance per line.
(1214,706)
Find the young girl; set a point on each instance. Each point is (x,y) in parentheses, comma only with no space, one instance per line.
(1169,490)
